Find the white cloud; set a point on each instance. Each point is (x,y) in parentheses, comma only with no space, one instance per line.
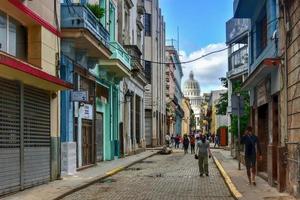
(207,70)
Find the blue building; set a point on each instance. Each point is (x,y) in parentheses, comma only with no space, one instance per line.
(94,61)
(263,80)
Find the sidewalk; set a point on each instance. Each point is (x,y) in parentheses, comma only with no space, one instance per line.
(69,184)
(239,179)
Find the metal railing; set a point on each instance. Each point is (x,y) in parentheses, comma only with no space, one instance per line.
(80,16)
(120,53)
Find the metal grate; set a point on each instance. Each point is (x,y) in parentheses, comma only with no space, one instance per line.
(36,136)
(24,136)
(9,136)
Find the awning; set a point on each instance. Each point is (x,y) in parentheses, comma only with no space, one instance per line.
(14,69)
(261,72)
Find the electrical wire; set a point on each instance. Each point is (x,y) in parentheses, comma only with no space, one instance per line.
(167,63)
(69,4)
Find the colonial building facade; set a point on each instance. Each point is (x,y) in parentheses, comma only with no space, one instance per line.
(155,99)
(95,62)
(237,36)
(130,34)
(273,65)
(29,94)
(289,41)
(174,96)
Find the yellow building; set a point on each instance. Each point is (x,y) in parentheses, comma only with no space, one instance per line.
(29,93)
(216,120)
(186,106)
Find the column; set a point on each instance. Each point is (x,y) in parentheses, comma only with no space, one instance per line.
(133,129)
(141,122)
(127,121)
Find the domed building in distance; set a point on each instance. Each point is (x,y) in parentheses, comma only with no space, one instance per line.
(191,89)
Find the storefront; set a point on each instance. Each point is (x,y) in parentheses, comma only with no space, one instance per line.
(28,113)
(263,83)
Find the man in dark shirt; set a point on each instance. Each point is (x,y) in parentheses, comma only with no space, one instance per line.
(251,141)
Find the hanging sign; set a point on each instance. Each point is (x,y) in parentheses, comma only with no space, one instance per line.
(80,96)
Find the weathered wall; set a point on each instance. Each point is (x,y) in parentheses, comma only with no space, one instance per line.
(293,92)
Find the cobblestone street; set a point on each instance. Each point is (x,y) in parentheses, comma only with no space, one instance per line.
(172,176)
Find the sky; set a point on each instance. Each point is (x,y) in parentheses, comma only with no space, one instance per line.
(201,30)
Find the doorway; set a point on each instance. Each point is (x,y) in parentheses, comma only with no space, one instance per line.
(87,144)
(263,129)
(99,136)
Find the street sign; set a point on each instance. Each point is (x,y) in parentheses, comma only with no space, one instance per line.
(80,96)
(237,102)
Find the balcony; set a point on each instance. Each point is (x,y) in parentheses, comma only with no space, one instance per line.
(81,25)
(137,67)
(120,53)
(238,58)
(238,62)
(79,16)
(119,64)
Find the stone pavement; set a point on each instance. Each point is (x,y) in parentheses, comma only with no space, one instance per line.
(55,189)
(161,177)
(239,178)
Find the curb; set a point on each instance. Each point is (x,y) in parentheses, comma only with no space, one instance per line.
(232,188)
(99,178)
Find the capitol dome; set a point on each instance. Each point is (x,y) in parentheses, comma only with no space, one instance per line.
(191,87)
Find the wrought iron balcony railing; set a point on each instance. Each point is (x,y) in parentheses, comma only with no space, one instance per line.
(80,16)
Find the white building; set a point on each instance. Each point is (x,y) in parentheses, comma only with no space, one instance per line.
(193,92)
(130,32)
(155,91)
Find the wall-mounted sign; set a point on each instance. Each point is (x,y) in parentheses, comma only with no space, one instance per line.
(86,111)
(236,27)
(81,96)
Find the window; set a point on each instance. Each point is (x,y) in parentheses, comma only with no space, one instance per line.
(13,37)
(148,24)
(261,33)
(148,70)
(3,32)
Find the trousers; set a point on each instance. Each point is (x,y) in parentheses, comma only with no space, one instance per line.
(203,164)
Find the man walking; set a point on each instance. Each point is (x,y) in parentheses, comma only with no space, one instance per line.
(203,151)
(251,141)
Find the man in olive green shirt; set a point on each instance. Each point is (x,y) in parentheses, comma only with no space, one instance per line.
(204,153)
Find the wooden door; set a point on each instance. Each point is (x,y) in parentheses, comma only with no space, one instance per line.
(87,144)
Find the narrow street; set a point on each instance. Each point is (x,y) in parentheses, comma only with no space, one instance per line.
(173,176)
